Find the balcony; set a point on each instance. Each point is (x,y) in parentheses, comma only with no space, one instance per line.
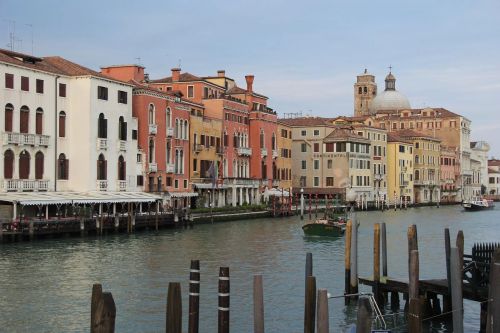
(219,150)
(28,185)
(404,183)
(122,145)
(242,151)
(242,181)
(170,167)
(153,167)
(102,185)
(275,153)
(276,183)
(379,176)
(170,132)
(197,147)
(102,144)
(122,185)
(153,129)
(26,139)
(263,152)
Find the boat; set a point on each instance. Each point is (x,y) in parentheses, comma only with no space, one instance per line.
(477,203)
(332,225)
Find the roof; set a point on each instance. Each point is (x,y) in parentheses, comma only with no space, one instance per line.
(442,113)
(408,133)
(236,90)
(183,77)
(344,134)
(54,64)
(394,137)
(305,121)
(491,170)
(175,93)
(493,162)
(53,198)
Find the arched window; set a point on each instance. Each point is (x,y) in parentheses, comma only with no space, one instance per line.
(101,168)
(262,139)
(24,119)
(273,142)
(176,161)
(417,175)
(24,165)
(169,148)
(186,130)
(62,124)
(9,110)
(62,167)
(151,150)
(176,129)
(181,161)
(263,167)
(365,90)
(151,114)
(102,127)
(235,140)
(8,164)
(39,121)
(122,170)
(169,118)
(122,129)
(360,90)
(39,165)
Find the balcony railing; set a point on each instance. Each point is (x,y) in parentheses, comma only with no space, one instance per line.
(102,143)
(404,183)
(241,181)
(122,185)
(275,153)
(153,129)
(122,145)
(244,151)
(153,167)
(102,185)
(219,150)
(170,132)
(379,176)
(263,152)
(197,147)
(170,168)
(25,185)
(26,139)
(276,183)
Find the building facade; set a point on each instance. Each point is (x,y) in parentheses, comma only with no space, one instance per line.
(284,160)
(400,169)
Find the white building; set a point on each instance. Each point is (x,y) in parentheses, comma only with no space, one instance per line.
(66,127)
(493,187)
(479,152)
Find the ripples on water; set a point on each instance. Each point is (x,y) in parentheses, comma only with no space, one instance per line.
(46,285)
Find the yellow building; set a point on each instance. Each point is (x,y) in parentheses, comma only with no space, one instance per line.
(400,169)
(284,159)
(426,167)
(206,149)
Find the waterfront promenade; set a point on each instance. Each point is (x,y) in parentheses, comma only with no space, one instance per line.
(48,283)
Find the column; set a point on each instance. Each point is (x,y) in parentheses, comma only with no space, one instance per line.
(241,196)
(47,212)
(233,196)
(247,199)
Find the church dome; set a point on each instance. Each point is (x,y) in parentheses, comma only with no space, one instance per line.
(390,98)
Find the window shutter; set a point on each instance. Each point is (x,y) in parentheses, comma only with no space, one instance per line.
(66,169)
(8,120)
(124,131)
(62,126)
(39,123)
(24,121)
(105,128)
(105,164)
(8,164)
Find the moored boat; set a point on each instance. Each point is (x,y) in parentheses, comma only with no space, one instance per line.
(332,225)
(476,204)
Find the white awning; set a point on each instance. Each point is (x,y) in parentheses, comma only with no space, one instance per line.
(73,198)
(208,186)
(182,194)
(276,192)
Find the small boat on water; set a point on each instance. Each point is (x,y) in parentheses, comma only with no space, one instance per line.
(332,225)
(477,203)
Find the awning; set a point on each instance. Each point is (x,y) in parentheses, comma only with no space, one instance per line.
(73,198)
(208,186)
(181,194)
(277,192)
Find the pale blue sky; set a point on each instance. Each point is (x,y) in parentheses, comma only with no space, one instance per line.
(304,55)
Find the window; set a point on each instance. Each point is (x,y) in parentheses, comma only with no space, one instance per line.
(25,83)
(9,81)
(401,148)
(329,147)
(190,93)
(316,181)
(185,183)
(39,165)
(101,168)
(62,90)
(303,181)
(122,129)
(329,164)
(316,133)
(303,147)
(8,164)
(9,109)
(102,127)
(140,180)
(329,181)
(304,165)
(62,167)
(303,133)
(102,93)
(24,165)
(134,134)
(262,139)
(24,119)
(39,86)
(39,121)
(122,169)
(316,147)
(316,164)
(122,97)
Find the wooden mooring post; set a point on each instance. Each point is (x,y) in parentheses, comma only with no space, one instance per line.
(310,305)
(415,306)
(347,260)
(223,314)
(447,248)
(323,325)
(384,249)
(456,290)
(194,297)
(258,304)
(376,264)
(309,265)
(364,318)
(493,313)
(174,308)
(102,311)
(354,258)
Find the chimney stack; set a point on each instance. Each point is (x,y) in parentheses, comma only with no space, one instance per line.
(249,79)
(221,73)
(176,72)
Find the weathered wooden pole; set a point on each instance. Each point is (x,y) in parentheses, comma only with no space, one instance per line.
(384,249)
(302,204)
(412,241)
(310,205)
(104,317)
(460,247)
(310,305)
(174,308)
(316,210)
(347,260)
(274,206)
(447,248)
(258,304)
(364,319)
(493,312)
(223,318)
(309,265)
(354,258)
(323,325)
(157,208)
(194,296)
(96,297)
(376,263)
(415,308)
(456,290)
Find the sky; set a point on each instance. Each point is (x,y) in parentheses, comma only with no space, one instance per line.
(305,55)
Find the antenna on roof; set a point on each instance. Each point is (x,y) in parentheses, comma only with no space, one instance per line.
(138,61)
(32,40)
(180,62)
(12,35)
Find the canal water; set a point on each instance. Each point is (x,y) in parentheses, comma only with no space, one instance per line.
(46,285)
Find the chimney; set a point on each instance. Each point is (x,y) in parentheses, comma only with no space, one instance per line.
(176,72)
(221,73)
(249,79)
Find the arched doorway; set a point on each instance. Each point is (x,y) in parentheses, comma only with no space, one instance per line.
(24,165)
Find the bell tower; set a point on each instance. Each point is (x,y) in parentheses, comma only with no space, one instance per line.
(365,90)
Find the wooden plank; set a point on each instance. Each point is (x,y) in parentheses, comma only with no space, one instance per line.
(323,320)
(415,316)
(364,318)
(347,260)
(105,315)
(493,313)
(456,290)
(413,286)
(194,297)
(376,263)
(354,257)
(94,301)
(384,249)
(174,308)
(223,313)
(258,304)
(310,305)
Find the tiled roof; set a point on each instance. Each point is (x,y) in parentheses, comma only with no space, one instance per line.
(443,113)
(236,90)
(408,133)
(394,137)
(491,170)
(183,77)
(175,93)
(305,121)
(494,162)
(344,134)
